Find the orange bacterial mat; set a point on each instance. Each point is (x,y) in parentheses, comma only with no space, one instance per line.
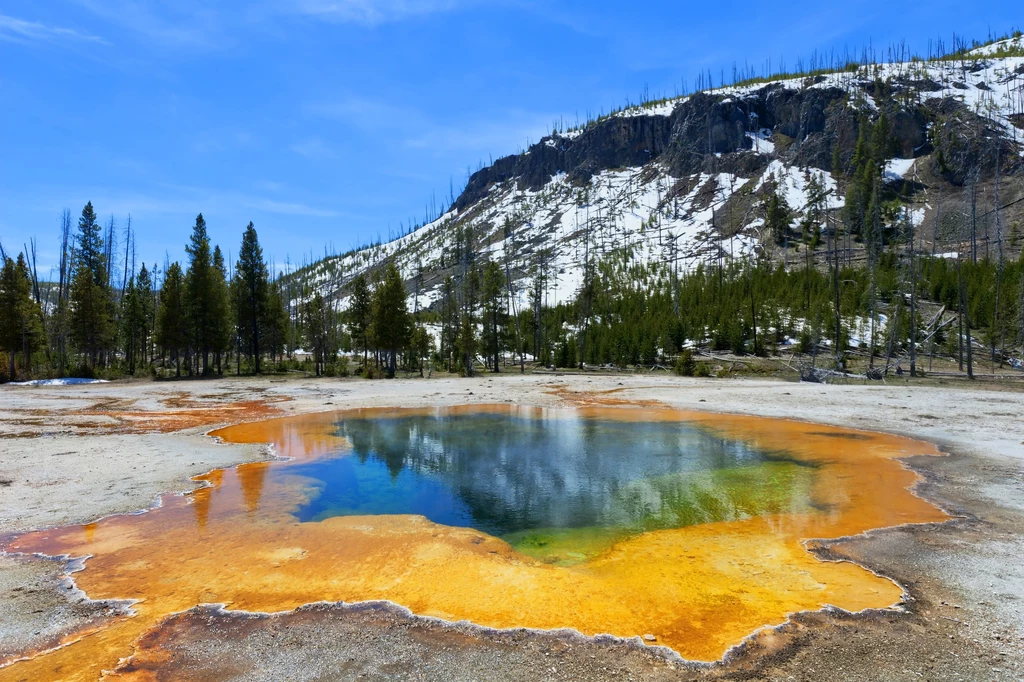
(699,589)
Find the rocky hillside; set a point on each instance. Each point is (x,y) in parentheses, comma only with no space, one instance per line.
(679,181)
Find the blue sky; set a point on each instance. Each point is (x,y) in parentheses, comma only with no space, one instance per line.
(332,122)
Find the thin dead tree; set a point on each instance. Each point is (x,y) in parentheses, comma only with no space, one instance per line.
(876,228)
(588,287)
(913,295)
(63,292)
(999,271)
(965,321)
(127,254)
(510,252)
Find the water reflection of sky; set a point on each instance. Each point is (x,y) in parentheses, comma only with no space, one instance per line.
(505,474)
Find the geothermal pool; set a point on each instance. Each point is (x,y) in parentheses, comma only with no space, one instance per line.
(560,487)
(690,527)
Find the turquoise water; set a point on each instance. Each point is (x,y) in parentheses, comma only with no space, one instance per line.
(558,488)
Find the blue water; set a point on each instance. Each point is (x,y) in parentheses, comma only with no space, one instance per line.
(505,474)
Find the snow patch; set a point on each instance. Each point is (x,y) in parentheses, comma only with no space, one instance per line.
(897,169)
(762,141)
(58,382)
(661,109)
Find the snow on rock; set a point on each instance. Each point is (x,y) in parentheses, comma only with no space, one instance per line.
(660,220)
(897,169)
(991,87)
(1016,42)
(664,108)
(794,184)
(560,226)
(762,142)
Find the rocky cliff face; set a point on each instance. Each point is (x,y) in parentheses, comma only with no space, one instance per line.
(677,181)
(713,130)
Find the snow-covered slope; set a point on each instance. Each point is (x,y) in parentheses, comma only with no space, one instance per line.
(644,179)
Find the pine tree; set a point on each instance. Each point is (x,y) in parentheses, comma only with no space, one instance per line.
(494,310)
(449,322)
(21,318)
(358,314)
(467,341)
(92,318)
(132,325)
(220,309)
(422,345)
(837,160)
(777,215)
(858,195)
(883,144)
(147,305)
(391,322)
(315,330)
(172,318)
(204,318)
(249,292)
(89,248)
(275,323)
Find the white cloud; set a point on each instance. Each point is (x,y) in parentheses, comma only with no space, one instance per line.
(17,30)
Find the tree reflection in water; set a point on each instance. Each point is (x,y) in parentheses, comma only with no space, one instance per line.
(528,478)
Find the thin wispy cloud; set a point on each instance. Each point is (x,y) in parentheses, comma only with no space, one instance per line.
(17,30)
(194,24)
(184,23)
(234,201)
(504,136)
(362,111)
(502,133)
(287,208)
(170,200)
(371,12)
(313,148)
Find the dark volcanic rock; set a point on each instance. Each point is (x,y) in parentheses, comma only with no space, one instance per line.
(966,144)
(909,129)
(616,143)
(708,133)
(796,113)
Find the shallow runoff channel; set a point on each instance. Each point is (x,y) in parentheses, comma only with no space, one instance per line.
(691,530)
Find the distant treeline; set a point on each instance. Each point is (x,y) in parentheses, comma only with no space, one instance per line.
(200,319)
(196,320)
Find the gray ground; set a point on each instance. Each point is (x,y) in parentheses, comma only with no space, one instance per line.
(60,464)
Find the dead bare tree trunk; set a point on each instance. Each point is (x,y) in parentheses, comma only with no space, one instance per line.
(835,295)
(510,253)
(974,218)
(63,290)
(587,289)
(876,227)
(999,273)
(913,299)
